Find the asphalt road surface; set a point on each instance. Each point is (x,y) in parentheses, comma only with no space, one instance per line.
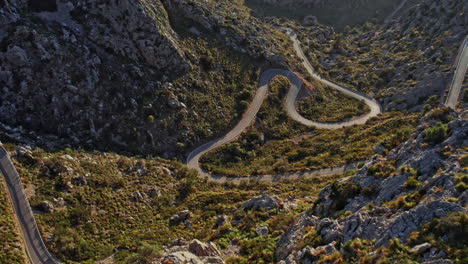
(35,247)
(193,159)
(459,76)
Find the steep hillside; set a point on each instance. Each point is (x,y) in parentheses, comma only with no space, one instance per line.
(101,99)
(92,206)
(406,63)
(409,205)
(336,13)
(115,75)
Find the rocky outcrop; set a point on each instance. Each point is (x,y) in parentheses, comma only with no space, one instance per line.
(262,202)
(180,217)
(181,257)
(203,249)
(413,185)
(288,241)
(194,252)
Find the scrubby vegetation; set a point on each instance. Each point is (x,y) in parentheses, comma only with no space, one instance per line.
(276,144)
(10,243)
(329,105)
(405,64)
(436,133)
(216,91)
(113,211)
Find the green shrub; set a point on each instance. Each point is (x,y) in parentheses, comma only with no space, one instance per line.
(412,183)
(259,250)
(436,133)
(368,191)
(311,238)
(341,192)
(381,169)
(454,227)
(461,182)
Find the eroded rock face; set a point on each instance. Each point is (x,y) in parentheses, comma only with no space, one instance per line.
(83,70)
(288,241)
(244,36)
(433,165)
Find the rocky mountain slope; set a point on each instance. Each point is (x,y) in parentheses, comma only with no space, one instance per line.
(159,76)
(406,63)
(115,74)
(407,205)
(415,198)
(336,13)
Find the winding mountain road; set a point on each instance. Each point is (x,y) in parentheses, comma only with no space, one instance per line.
(35,247)
(461,64)
(193,159)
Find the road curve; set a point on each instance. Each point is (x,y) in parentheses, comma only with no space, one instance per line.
(374,106)
(459,75)
(193,159)
(35,247)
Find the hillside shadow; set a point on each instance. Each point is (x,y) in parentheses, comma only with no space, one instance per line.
(335,13)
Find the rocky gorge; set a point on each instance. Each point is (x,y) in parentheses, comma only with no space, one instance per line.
(101,100)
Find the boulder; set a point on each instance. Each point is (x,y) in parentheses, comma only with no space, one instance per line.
(180,217)
(181,257)
(313,254)
(22,151)
(203,249)
(262,202)
(212,260)
(137,197)
(46,207)
(79,181)
(419,249)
